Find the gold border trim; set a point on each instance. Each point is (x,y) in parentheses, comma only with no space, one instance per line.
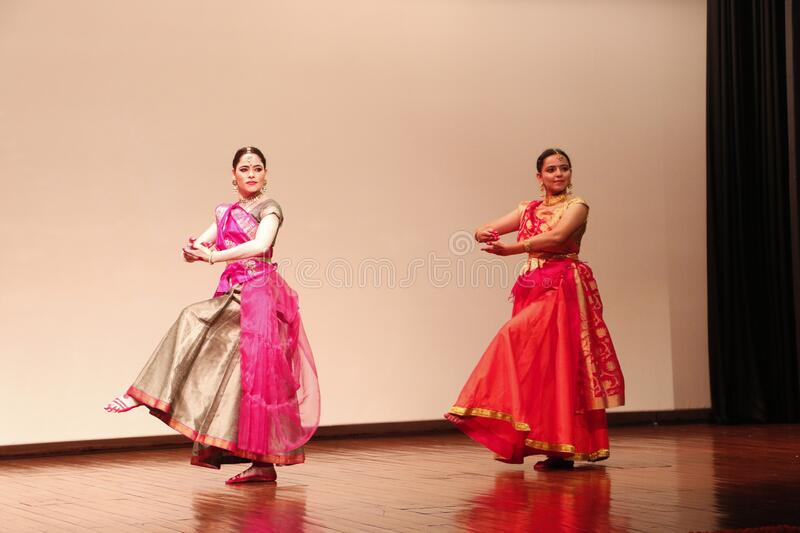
(585,340)
(488,413)
(608,402)
(546,446)
(603,402)
(597,455)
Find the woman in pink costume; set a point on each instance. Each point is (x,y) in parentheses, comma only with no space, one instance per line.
(235,373)
(544,382)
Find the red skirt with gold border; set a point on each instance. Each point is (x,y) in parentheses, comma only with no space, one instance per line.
(544,382)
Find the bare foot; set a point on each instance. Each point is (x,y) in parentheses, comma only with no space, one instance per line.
(120,404)
(257,472)
(554,463)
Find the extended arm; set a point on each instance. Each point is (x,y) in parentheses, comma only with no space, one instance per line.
(548,241)
(492,230)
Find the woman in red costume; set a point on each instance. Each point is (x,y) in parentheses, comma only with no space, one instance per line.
(235,373)
(544,382)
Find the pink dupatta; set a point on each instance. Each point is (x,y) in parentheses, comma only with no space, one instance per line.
(280,405)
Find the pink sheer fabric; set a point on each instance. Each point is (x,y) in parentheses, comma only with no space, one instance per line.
(280,405)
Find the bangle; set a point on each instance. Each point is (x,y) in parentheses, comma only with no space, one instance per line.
(211,257)
(527,246)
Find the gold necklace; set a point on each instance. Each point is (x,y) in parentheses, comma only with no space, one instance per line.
(247,202)
(555,199)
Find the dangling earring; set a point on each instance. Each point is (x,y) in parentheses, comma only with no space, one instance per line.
(235,188)
(264,188)
(541,188)
(569,188)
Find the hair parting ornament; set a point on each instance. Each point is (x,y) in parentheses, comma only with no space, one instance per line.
(248,150)
(560,154)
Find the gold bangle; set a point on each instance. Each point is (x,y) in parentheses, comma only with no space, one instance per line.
(211,257)
(527,246)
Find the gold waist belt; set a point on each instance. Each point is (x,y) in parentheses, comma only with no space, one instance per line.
(259,259)
(537,259)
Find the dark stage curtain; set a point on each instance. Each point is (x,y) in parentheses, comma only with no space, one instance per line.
(751,218)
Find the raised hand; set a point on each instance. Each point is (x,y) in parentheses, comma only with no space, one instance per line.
(188,257)
(486,235)
(195,251)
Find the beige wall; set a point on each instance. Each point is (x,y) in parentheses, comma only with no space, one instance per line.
(390,127)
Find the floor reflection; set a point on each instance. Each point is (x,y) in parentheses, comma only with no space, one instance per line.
(756,476)
(578,500)
(256,507)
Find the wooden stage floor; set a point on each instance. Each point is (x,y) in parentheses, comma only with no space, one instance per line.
(659,478)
